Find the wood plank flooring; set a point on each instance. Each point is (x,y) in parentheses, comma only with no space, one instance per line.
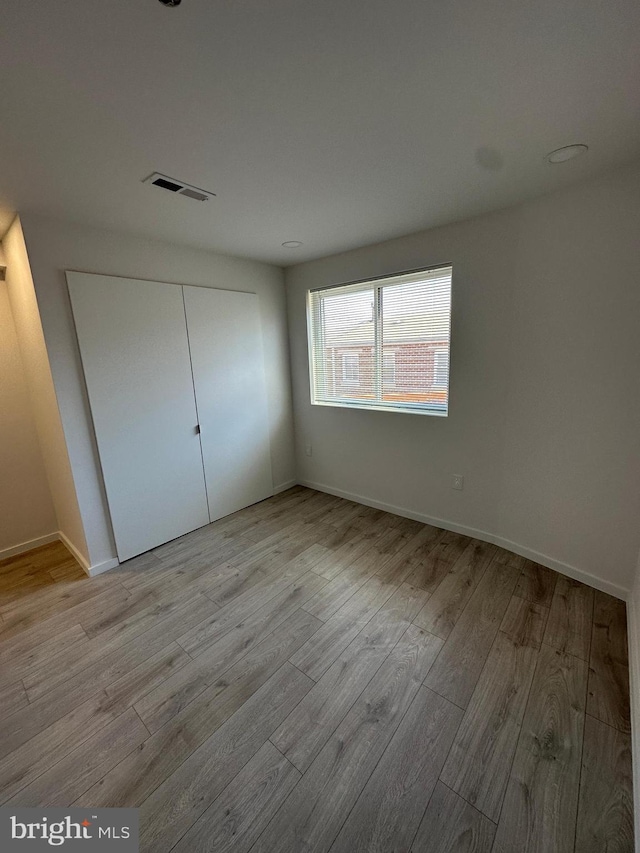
(310,675)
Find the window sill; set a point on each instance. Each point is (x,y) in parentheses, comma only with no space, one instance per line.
(380,407)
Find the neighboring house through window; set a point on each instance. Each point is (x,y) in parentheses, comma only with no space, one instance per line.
(440,368)
(350,368)
(389,370)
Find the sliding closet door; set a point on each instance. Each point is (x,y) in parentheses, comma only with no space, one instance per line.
(229,377)
(135,354)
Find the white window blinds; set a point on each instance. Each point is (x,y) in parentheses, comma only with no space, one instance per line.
(382,344)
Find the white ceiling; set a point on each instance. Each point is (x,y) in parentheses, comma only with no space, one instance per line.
(334,122)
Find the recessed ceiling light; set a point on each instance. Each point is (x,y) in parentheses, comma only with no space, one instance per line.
(292,244)
(561,155)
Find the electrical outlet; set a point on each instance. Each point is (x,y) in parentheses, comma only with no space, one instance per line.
(308,450)
(457,482)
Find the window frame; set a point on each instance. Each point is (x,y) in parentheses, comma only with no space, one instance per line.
(376,284)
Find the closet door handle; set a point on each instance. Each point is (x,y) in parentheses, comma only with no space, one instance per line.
(197,429)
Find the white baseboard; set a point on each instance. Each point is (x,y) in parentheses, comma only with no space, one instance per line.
(92,571)
(284,486)
(71,547)
(59,536)
(564,568)
(28,546)
(570,571)
(99,568)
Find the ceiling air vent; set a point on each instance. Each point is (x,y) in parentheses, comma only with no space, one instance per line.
(177,187)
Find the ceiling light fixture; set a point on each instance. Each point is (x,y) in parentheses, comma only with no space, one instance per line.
(561,155)
(292,244)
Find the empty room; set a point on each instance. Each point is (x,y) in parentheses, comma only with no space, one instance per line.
(320,426)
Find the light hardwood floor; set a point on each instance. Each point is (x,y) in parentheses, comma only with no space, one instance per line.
(313,675)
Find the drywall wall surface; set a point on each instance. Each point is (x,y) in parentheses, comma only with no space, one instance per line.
(26,507)
(44,404)
(55,246)
(571,468)
(545,400)
(407,460)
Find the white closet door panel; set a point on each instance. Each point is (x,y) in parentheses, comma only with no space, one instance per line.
(228,372)
(135,354)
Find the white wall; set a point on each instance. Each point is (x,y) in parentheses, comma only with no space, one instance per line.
(27,515)
(545,397)
(55,246)
(44,404)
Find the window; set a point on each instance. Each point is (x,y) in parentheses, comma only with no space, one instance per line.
(350,368)
(388,370)
(382,344)
(440,368)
